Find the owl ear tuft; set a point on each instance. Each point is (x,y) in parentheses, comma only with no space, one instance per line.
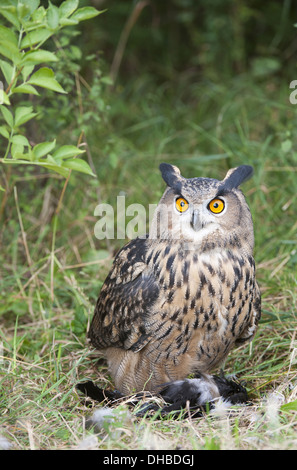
(236,176)
(171,175)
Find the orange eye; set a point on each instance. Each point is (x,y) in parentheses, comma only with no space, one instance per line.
(181,204)
(216,206)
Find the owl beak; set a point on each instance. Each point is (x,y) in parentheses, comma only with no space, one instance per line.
(196,221)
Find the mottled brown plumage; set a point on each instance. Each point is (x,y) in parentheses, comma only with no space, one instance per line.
(177,301)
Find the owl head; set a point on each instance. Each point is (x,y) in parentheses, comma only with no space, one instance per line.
(203,212)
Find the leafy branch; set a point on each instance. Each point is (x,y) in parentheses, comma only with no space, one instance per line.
(25,68)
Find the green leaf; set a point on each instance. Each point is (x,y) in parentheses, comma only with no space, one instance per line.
(24,159)
(67,151)
(38,57)
(23,114)
(7,70)
(20,140)
(85,13)
(10,13)
(4,132)
(16,150)
(42,149)
(67,8)
(7,116)
(32,5)
(35,37)
(52,17)
(50,160)
(25,88)
(39,15)
(50,164)
(7,35)
(23,10)
(291,406)
(67,22)
(44,78)
(3,97)
(78,165)
(57,169)
(26,71)
(54,167)
(9,50)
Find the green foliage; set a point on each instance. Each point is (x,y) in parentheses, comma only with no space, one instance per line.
(25,70)
(211,40)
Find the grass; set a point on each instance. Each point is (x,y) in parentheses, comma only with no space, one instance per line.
(53,268)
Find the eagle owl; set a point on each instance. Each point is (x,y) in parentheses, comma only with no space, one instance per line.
(177,300)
